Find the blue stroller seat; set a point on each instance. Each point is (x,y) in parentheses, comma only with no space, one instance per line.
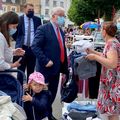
(11,86)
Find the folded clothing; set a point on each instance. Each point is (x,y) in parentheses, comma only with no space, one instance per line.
(79,107)
(76,115)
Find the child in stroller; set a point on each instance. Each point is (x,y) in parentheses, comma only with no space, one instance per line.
(38,103)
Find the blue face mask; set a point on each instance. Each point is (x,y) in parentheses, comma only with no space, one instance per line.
(61,20)
(118,26)
(12,31)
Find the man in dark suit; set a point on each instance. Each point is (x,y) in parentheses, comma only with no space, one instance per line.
(49,48)
(24,36)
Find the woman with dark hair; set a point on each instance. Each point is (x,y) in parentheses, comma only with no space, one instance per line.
(8,24)
(109,90)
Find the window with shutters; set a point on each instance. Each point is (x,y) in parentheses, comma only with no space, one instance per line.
(47,2)
(47,12)
(54,3)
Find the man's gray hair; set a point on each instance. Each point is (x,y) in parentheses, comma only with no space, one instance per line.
(57,10)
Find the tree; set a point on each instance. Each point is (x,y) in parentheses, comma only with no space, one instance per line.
(106,7)
(87,10)
(80,11)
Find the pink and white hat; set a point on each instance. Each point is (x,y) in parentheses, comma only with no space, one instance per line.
(37,77)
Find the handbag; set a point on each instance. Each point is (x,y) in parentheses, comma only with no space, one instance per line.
(69,90)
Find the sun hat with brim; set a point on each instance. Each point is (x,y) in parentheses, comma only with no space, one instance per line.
(37,77)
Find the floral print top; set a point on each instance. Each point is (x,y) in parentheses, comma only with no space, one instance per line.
(109,89)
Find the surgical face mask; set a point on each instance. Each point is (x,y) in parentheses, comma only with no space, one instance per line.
(61,20)
(118,26)
(12,31)
(30,14)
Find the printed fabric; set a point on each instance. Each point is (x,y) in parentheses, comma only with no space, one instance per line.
(109,90)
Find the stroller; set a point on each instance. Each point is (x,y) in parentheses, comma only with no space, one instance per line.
(12,88)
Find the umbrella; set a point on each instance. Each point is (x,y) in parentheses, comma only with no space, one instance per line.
(90,25)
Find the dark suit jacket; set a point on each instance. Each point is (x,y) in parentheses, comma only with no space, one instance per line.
(46,47)
(19,35)
(41,103)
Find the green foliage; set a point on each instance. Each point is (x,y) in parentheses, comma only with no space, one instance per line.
(87,10)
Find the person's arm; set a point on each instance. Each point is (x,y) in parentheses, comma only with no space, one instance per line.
(88,50)
(109,62)
(38,45)
(3,64)
(97,53)
(6,55)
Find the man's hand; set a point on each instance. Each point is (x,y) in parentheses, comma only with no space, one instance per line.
(49,64)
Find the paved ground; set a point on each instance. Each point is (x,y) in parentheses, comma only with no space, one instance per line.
(57,106)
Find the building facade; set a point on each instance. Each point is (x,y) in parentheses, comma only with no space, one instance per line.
(10,5)
(47,5)
(17,6)
(42,8)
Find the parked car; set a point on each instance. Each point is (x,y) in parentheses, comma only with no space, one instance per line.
(95,38)
(98,41)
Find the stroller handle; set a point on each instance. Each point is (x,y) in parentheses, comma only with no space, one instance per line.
(16,71)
